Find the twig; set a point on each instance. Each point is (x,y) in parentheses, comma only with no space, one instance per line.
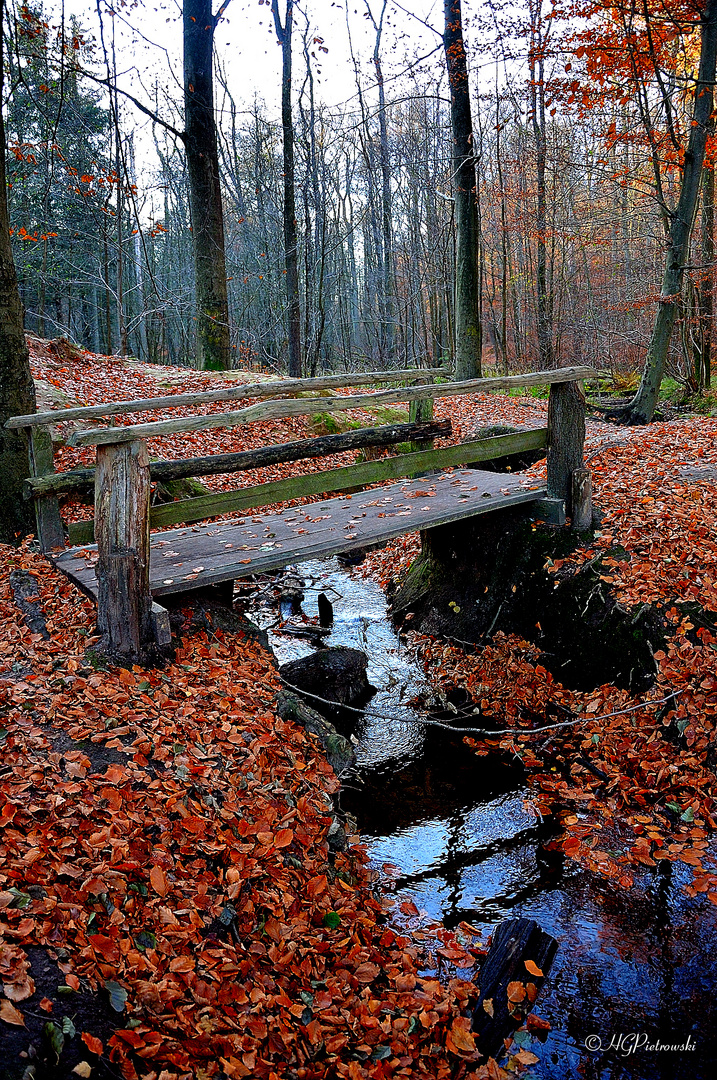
(490,733)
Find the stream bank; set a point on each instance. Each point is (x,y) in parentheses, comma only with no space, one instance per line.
(455,836)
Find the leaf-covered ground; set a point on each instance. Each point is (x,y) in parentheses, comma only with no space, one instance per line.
(164,835)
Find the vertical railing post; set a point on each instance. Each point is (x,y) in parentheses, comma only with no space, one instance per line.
(124,603)
(566,439)
(50,533)
(420,410)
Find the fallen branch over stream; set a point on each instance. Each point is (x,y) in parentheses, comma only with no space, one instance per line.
(487,732)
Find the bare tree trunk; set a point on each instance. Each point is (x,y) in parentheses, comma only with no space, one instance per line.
(205,194)
(17,391)
(705,292)
(387,305)
(642,407)
(283,33)
(467,308)
(537,109)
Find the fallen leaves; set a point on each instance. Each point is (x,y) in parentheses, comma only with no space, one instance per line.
(182,862)
(10,1014)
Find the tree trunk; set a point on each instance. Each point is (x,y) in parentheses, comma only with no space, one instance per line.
(213,347)
(705,291)
(17,391)
(642,407)
(283,33)
(387,303)
(467,310)
(537,108)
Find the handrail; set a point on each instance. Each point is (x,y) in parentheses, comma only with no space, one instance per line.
(270,388)
(276,409)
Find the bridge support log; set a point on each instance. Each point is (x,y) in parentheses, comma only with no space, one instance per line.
(124,604)
(566,438)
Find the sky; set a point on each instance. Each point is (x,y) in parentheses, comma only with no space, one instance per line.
(148,43)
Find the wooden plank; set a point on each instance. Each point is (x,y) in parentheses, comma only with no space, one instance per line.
(273,410)
(47,511)
(268,388)
(189,558)
(328,480)
(122,514)
(566,438)
(386,435)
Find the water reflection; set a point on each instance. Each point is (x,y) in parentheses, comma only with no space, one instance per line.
(639,962)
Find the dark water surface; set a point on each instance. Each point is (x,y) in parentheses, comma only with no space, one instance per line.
(634,967)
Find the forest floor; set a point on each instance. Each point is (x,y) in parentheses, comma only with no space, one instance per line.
(170,905)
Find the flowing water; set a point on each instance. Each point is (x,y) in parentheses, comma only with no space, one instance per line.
(635,969)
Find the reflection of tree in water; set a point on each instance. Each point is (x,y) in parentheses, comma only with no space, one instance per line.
(640,993)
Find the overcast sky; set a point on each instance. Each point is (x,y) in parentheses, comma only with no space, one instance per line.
(148,42)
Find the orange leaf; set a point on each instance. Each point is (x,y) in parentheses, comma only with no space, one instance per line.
(73,982)
(283,838)
(533,968)
(488,1006)
(92,1043)
(158,880)
(366,973)
(537,1026)
(182,964)
(10,1014)
(516,991)
(459,1039)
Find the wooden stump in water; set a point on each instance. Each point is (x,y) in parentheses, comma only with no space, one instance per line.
(508,981)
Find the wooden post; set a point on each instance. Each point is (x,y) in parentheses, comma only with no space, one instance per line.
(566,437)
(582,496)
(47,508)
(124,603)
(420,411)
(515,942)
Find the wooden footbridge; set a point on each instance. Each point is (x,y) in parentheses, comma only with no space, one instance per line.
(127,566)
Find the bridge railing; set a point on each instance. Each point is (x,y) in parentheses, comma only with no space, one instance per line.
(123,473)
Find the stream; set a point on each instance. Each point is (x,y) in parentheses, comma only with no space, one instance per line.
(453,834)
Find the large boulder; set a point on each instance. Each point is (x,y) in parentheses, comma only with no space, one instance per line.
(336,675)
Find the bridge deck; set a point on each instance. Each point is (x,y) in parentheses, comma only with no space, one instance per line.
(187,558)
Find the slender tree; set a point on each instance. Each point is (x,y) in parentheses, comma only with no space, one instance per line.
(291,243)
(17,391)
(205,196)
(467,303)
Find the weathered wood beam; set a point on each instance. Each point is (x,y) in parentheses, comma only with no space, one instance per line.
(321,483)
(566,438)
(387,435)
(124,605)
(273,410)
(270,388)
